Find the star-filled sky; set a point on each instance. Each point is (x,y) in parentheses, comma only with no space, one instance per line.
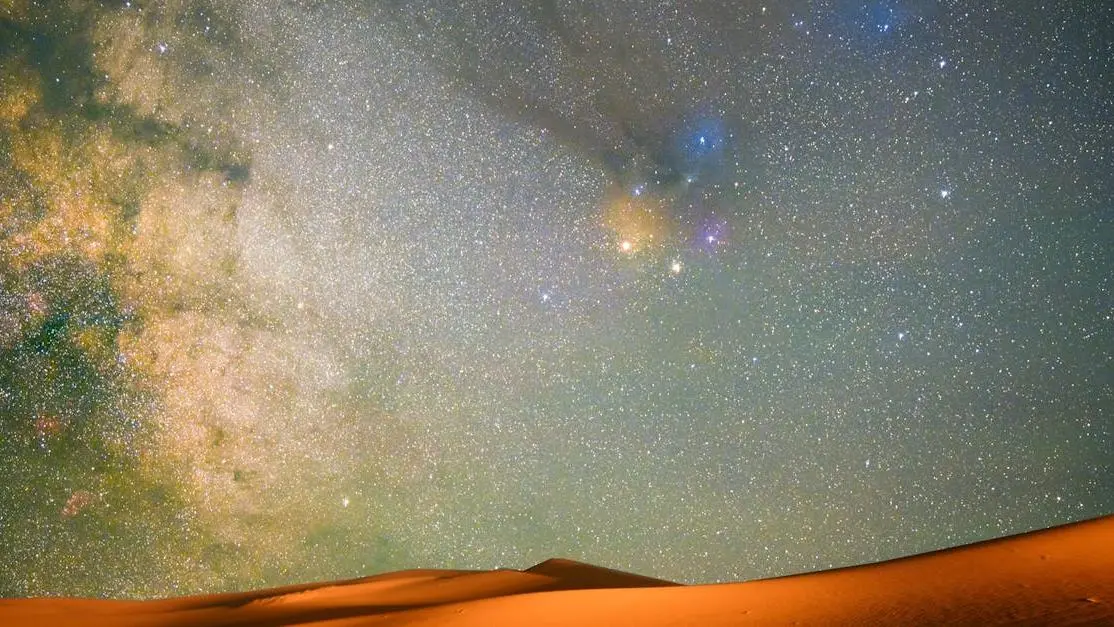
(295,290)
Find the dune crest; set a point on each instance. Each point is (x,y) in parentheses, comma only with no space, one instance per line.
(1058,576)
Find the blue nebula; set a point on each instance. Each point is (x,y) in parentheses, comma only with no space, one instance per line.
(701,146)
(874,21)
(704,140)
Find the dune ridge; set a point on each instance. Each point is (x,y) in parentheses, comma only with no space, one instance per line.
(1058,576)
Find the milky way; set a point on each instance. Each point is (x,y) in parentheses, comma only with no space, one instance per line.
(706,291)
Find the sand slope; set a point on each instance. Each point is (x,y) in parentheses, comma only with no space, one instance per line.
(1060,576)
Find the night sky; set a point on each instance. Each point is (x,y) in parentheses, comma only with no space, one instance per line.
(299,290)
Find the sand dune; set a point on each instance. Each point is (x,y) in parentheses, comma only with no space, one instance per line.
(1059,576)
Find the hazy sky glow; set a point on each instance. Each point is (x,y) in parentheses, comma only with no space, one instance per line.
(706,290)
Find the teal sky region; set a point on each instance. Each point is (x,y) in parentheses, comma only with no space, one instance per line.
(707,291)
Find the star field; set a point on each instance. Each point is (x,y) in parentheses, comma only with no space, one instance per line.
(706,291)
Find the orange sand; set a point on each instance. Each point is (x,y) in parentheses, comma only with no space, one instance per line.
(1060,576)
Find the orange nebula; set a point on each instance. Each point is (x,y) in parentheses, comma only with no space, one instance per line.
(79,500)
(638,223)
(47,425)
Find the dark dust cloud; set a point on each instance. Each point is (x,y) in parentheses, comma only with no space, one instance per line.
(706,291)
